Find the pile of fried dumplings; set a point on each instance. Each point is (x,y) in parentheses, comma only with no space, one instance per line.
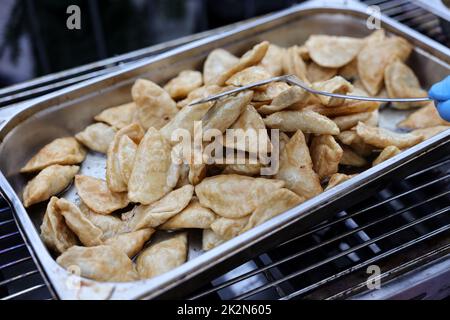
(108,233)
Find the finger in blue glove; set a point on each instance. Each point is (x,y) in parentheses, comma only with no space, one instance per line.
(440,91)
(444,110)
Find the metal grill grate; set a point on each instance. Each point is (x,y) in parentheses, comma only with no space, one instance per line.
(402,228)
(410,217)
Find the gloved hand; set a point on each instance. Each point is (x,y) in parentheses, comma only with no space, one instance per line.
(440,93)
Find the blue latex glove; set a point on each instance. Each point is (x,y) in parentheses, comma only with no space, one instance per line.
(440,93)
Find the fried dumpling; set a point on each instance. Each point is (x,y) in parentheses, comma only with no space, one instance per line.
(87,232)
(253,129)
(326,154)
(194,216)
(351,158)
(376,55)
(97,137)
(276,203)
(54,231)
(159,212)
(132,242)
(332,51)
(184,119)
(110,225)
(249,76)
(348,108)
(98,197)
(382,138)
(425,117)
(273,60)
(401,82)
(386,154)
(272,90)
(234,196)
(334,85)
(227,228)
(120,157)
(250,58)
(296,168)
(338,178)
(294,95)
(317,73)
(218,61)
(63,151)
(162,256)
(118,117)
(152,170)
(210,239)
(187,81)
(101,263)
(427,133)
(226,111)
(49,182)
(307,121)
(294,64)
(349,121)
(155,107)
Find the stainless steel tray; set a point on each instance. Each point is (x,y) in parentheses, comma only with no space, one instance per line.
(28,127)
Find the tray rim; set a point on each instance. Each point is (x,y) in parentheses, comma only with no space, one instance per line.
(56,277)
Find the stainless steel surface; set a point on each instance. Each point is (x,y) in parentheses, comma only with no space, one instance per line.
(59,114)
(293,80)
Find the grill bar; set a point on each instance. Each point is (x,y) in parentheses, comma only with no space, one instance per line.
(23,292)
(301,253)
(370,261)
(403,266)
(14,263)
(344,253)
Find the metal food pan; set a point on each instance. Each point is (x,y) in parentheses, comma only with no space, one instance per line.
(30,126)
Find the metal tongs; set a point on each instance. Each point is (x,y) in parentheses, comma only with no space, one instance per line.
(293,80)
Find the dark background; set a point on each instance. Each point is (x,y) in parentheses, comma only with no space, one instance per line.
(35,41)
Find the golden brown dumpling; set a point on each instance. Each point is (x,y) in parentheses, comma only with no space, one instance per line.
(332,51)
(54,231)
(250,58)
(97,196)
(425,117)
(155,106)
(187,81)
(151,216)
(162,256)
(307,121)
(153,169)
(132,242)
(276,203)
(234,196)
(211,240)
(248,128)
(217,62)
(64,151)
(338,178)
(49,182)
(296,168)
(120,157)
(119,116)
(101,263)
(97,137)
(326,154)
(227,228)
(382,138)
(194,216)
(86,231)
